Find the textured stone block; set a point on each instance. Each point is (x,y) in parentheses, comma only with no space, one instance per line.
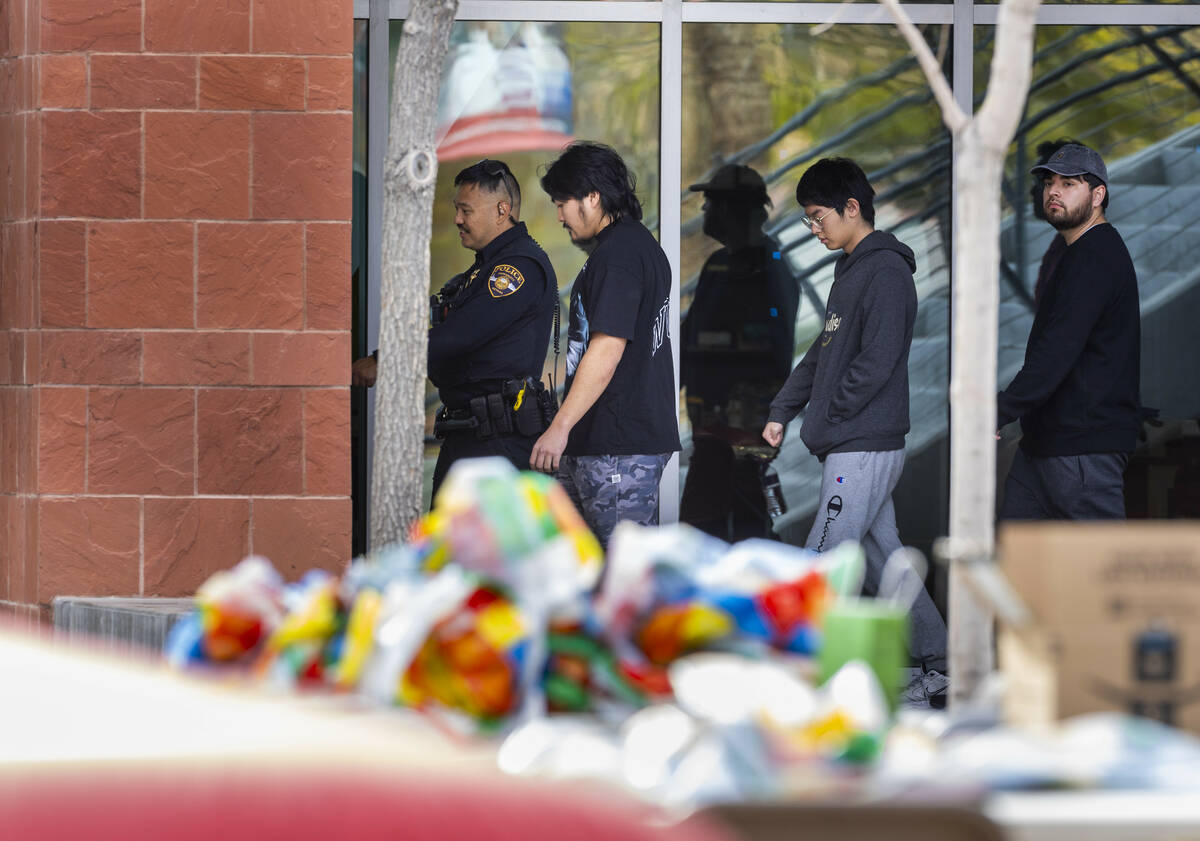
(141,441)
(303,27)
(26,421)
(143,81)
(9,207)
(9,438)
(91,26)
(64,81)
(250,441)
(301,358)
(196,358)
(328,278)
(7,504)
(251,275)
(260,83)
(91,164)
(16,275)
(197,166)
(62,440)
(33,166)
(16,150)
(88,546)
(187,540)
(140,274)
(198,26)
(62,262)
(330,84)
(103,357)
(22,548)
(327,442)
(315,185)
(300,534)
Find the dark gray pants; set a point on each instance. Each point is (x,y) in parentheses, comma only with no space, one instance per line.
(1086,487)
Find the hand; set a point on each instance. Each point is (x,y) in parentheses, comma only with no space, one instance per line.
(773,433)
(548,450)
(363,371)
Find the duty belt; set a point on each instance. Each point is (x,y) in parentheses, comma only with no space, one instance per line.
(522,406)
(488,416)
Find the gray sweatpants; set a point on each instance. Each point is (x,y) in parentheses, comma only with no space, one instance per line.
(856,504)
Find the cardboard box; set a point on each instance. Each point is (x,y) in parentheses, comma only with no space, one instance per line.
(1116,610)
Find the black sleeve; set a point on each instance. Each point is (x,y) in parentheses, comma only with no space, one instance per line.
(1085,288)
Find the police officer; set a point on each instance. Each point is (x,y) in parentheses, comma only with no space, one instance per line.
(490,328)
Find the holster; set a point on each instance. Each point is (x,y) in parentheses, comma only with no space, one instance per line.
(533,404)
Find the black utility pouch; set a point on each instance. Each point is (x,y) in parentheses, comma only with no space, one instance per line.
(528,414)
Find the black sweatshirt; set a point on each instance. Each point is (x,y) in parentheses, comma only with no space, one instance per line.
(854,377)
(1078,391)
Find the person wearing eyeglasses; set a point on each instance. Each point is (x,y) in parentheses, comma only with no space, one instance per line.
(853,387)
(489,328)
(617,426)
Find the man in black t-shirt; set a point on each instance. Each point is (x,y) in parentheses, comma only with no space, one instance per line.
(1077,394)
(618,425)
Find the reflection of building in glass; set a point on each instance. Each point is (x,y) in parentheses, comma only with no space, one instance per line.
(501,99)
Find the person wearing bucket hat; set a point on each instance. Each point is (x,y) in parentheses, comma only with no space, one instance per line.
(737,343)
(1077,394)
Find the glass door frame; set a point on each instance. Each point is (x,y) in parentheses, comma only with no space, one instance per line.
(671,15)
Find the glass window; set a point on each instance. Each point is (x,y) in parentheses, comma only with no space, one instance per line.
(520,91)
(776,98)
(1131,93)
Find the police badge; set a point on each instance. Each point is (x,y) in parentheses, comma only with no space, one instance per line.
(505,280)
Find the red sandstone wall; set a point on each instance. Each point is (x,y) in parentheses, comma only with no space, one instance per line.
(176,296)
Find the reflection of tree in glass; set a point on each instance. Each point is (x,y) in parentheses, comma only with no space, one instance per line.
(1112,87)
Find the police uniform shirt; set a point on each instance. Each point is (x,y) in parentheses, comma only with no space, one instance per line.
(498,325)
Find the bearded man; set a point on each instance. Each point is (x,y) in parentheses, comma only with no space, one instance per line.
(1077,394)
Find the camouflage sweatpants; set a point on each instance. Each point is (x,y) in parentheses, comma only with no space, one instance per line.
(606,489)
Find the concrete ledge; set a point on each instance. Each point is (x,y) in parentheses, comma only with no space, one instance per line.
(119,622)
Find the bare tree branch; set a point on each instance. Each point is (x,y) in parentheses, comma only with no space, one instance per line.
(952,115)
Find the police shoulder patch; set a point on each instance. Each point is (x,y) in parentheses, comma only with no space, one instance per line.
(505,280)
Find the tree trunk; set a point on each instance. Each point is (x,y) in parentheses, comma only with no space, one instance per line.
(409,177)
(980,144)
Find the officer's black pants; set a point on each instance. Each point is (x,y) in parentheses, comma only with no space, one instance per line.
(465,444)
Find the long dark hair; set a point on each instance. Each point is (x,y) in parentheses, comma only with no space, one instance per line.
(589,167)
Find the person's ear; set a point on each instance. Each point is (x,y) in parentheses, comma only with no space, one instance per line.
(1098,195)
(592,199)
(852,208)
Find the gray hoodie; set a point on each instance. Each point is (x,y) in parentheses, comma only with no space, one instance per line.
(854,377)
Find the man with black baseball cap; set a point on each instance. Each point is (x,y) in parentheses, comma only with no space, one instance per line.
(1077,395)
